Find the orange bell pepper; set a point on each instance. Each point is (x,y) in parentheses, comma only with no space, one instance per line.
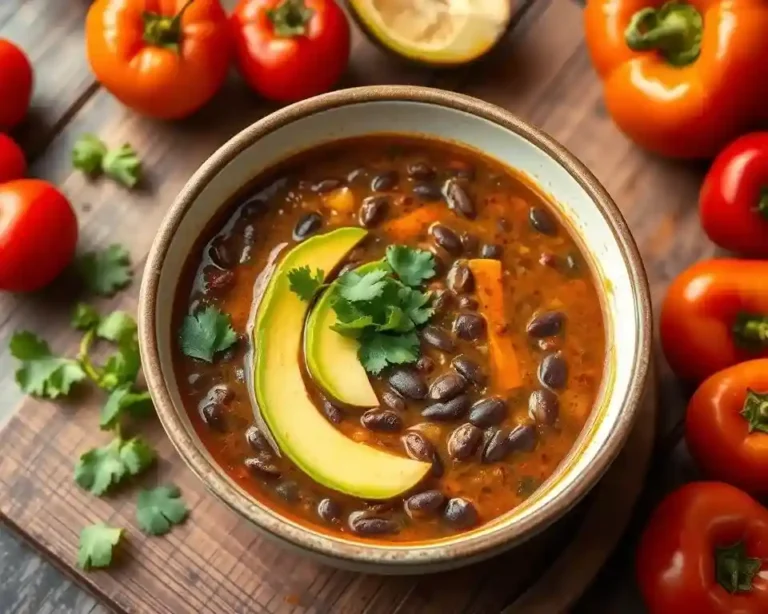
(681,79)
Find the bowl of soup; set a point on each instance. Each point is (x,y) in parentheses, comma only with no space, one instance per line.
(396,328)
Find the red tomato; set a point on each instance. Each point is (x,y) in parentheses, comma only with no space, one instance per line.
(15,84)
(12,162)
(38,234)
(288,50)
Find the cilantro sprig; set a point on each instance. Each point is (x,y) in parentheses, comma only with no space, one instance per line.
(100,469)
(97,545)
(206,333)
(41,373)
(381,307)
(92,156)
(157,510)
(107,271)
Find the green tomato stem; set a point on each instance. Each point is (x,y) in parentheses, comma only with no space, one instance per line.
(734,570)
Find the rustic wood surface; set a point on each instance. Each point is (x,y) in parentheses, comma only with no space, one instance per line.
(540,72)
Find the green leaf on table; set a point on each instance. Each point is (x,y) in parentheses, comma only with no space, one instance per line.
(137,455)
(100,469)
(378,350)
(41,373)
(157,510)
(124,401)
(359,288)
(206,333)
(123,165)
(88,154)
(412,266)
(304,283)
(85,317)
(107,271)
(97,544)
(117,327)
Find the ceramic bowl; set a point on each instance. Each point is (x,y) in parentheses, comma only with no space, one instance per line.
(581,201)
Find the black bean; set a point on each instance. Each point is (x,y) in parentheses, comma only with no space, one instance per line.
(420,170)
(218,279)
(491,251)
(497,446)
(546,324)
(468,302)
(446,238)
(328,510)
(447,386)
(463,442)
(257,440)
(262,463)
(553,371)
(460,278)
(488,412)
(424,503)
(365,525)
(522,438)
(333,413)
(384,181)
(469,326)
(448,410)
(542,221)
(327,185)
(438,337)
(543,406)
(459,200)
(308,224)
(425,365)
(357,174)
(428,191)
(385,421)
(373,210)
(214,415)
(220,393)
(220,254)
(469,369)
(393,400)
(408,383)
(470,242)
(460,513)
(443,299)
(420,448)
(288,491)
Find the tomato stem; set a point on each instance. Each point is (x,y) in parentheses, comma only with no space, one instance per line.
(750,331)
(735,570)
(755,410)
(290,18)
(674,30)
(762,204)
(163,31)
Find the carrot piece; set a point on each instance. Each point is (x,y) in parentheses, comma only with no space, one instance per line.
(341,200)
(505,370)
(414,223)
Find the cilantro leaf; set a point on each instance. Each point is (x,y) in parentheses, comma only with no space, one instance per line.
(205,333)
(357,288)
(107,271)
(416,305)
(88,154)
(412,266)
(123,400)
(97,544)
(123,165)
(100,469)
(159,509)
(352,328)
(85,317)
(377,350)
(117,327)
(397,321)
(304,283)
(41,373)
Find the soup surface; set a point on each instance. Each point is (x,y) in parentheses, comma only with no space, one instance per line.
(485,350)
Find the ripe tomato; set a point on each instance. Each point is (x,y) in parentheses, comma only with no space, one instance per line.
(15,84)
(288,50)
(162,58)
(38,234)
(12,162)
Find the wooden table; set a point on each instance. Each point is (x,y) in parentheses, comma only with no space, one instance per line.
(541,72)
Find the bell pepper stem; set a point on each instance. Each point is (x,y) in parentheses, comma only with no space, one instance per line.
(163,31)
(290,18)
(762,204)
(735,570)
(750,331)
(674,30)
(755,411)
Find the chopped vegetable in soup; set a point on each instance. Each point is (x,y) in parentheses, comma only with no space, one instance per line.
(389,338)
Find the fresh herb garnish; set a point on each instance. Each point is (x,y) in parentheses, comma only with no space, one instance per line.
(100,469)
(206,333)
(88,154)
(303,283)
(91,155)
(124,401)
(85,317)
(41,373)
(107,271)
(412,266)
(97,544)
(157,510)
(379,350)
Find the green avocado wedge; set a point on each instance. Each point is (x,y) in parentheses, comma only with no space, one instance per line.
(299,429)
(332,358)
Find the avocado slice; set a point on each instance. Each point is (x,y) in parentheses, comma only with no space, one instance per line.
(299,429)
(332,358)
